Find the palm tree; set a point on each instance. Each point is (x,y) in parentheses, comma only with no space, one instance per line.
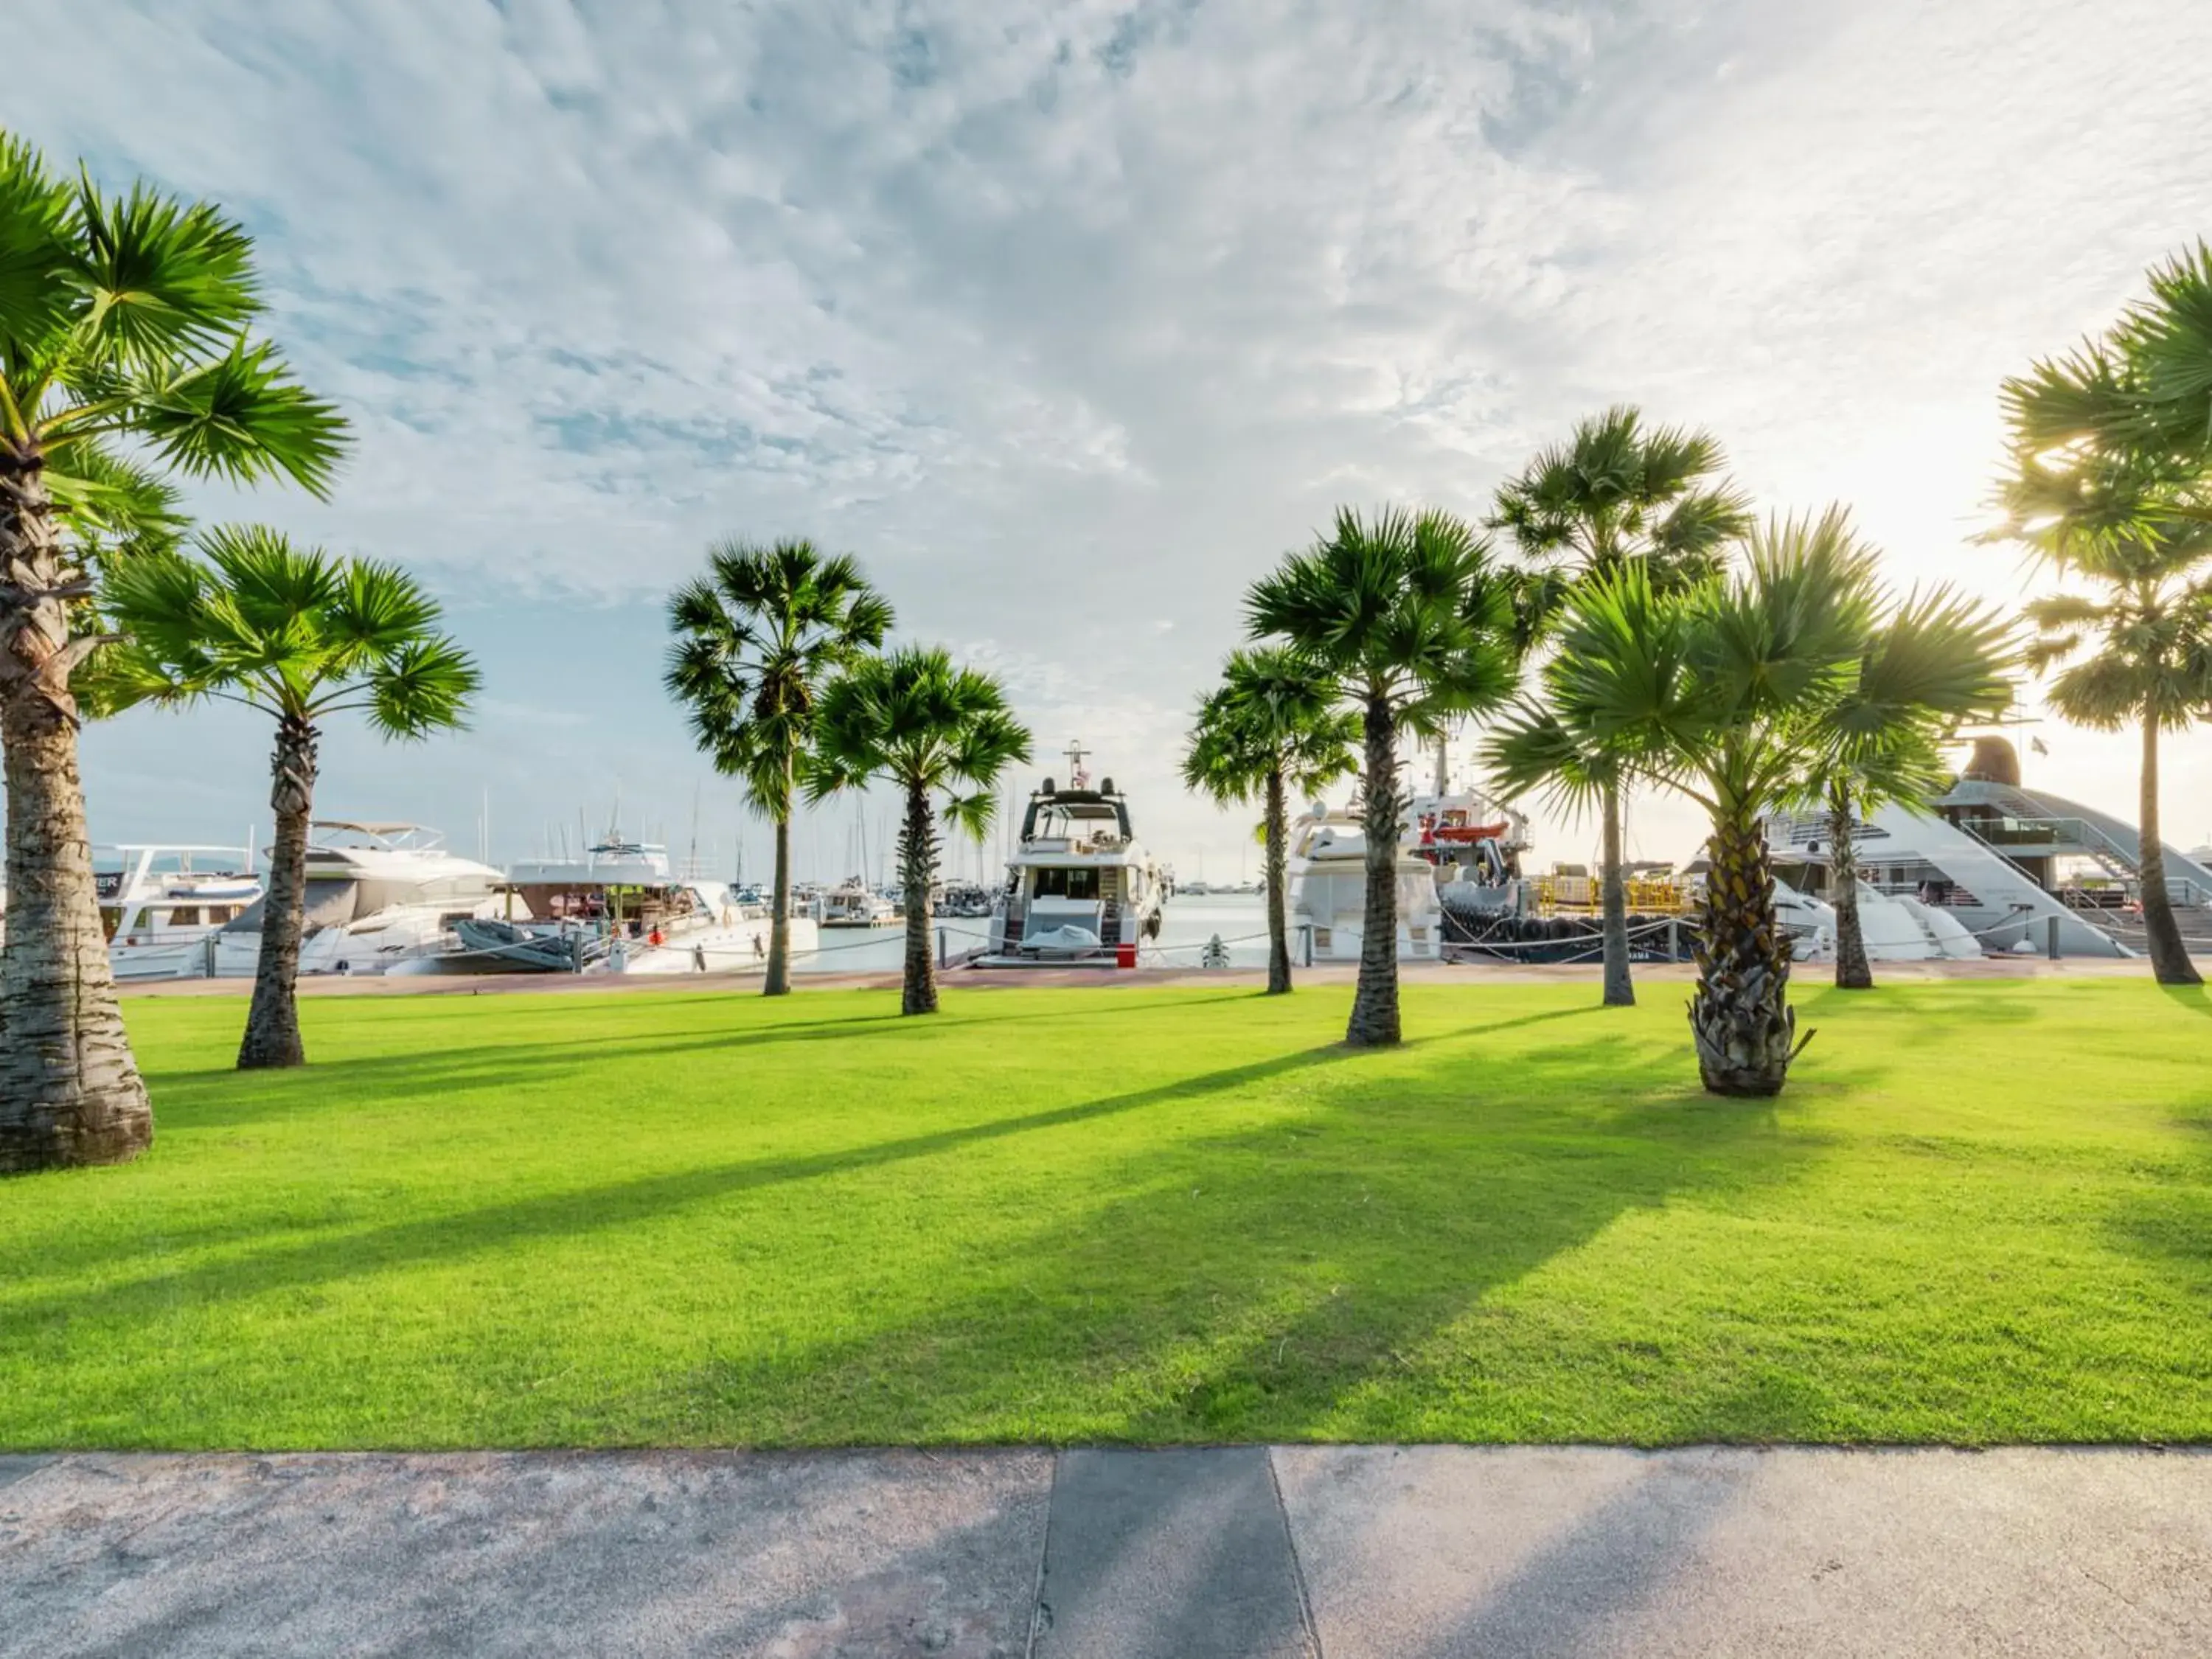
(123,324)
(1409,621)
(2139,390)
(301,636)
(756,638)
(1735,692)
(2149,661)
(1617,491)
(1273,724)
(913,720)
(2110,481)
(1884,738)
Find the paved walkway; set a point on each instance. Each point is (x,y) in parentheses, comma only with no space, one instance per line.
(1410,1552)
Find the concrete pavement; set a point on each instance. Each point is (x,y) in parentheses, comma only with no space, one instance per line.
(1414,1552)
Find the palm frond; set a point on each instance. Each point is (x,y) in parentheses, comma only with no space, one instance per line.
(38,231)
(240,417)
(165,279)
(913,719)
(113,505)
(290,629)
(421,683)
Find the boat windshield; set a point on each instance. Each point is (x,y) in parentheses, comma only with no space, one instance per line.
(1057,881)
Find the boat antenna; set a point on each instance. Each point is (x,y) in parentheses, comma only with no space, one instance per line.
(1076,753)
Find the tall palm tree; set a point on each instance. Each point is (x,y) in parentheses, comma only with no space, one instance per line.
(1411,624)
(2111,482)
(1735,692)
(300,636)
(1617,491)
(756,639)
(122,328)
(913,720)
(2147,641)
(1273,724)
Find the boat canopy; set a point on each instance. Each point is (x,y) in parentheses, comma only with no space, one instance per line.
(1076,805)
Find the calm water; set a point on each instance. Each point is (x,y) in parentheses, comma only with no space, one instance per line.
(1188,924)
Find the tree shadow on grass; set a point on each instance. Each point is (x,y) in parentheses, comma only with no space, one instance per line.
(1281,1283)
(350,1251)
(225,1096)
(2189,998)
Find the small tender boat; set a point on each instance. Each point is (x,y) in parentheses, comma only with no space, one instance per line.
(492,946)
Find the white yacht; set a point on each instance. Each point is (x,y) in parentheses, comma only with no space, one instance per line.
(379,895)
(855,904)
(1080,887)
(620,909)
(1328,890)
(2015,869)
(163,906)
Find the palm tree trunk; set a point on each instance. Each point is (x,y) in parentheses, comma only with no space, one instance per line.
(1279,930)
(777,981)
(1853,971)
(70,1091)
(272,1023)
(918,874)
(1740,1013)
(1620,988)
(2169,952)
(1375,1005)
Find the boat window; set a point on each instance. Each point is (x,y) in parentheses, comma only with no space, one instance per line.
(185,915)
(1058,881)
(111,918)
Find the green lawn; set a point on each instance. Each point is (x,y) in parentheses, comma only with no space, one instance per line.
(1981,1213)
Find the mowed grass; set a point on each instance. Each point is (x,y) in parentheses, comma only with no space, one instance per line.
(1981,1213)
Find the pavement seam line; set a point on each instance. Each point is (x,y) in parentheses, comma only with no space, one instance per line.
(1297,1567)
(1044,1546)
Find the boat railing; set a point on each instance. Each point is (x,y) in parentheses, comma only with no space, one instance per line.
(2062,834)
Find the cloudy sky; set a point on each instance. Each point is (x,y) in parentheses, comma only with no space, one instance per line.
(1070,319)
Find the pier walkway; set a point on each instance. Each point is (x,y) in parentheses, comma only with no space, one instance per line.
(1321,1552)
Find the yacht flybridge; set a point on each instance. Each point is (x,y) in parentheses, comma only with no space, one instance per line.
(379,895)
(2008,864)
(1080,887)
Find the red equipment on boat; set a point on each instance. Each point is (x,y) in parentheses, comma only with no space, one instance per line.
(1470,832)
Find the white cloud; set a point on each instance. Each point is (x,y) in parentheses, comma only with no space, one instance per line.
(1069,318)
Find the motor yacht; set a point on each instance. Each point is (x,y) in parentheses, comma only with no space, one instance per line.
(163,907)
(620,909)
(2017,869)
(1081,886)
(379,895)
(853,903)
(1327,864)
